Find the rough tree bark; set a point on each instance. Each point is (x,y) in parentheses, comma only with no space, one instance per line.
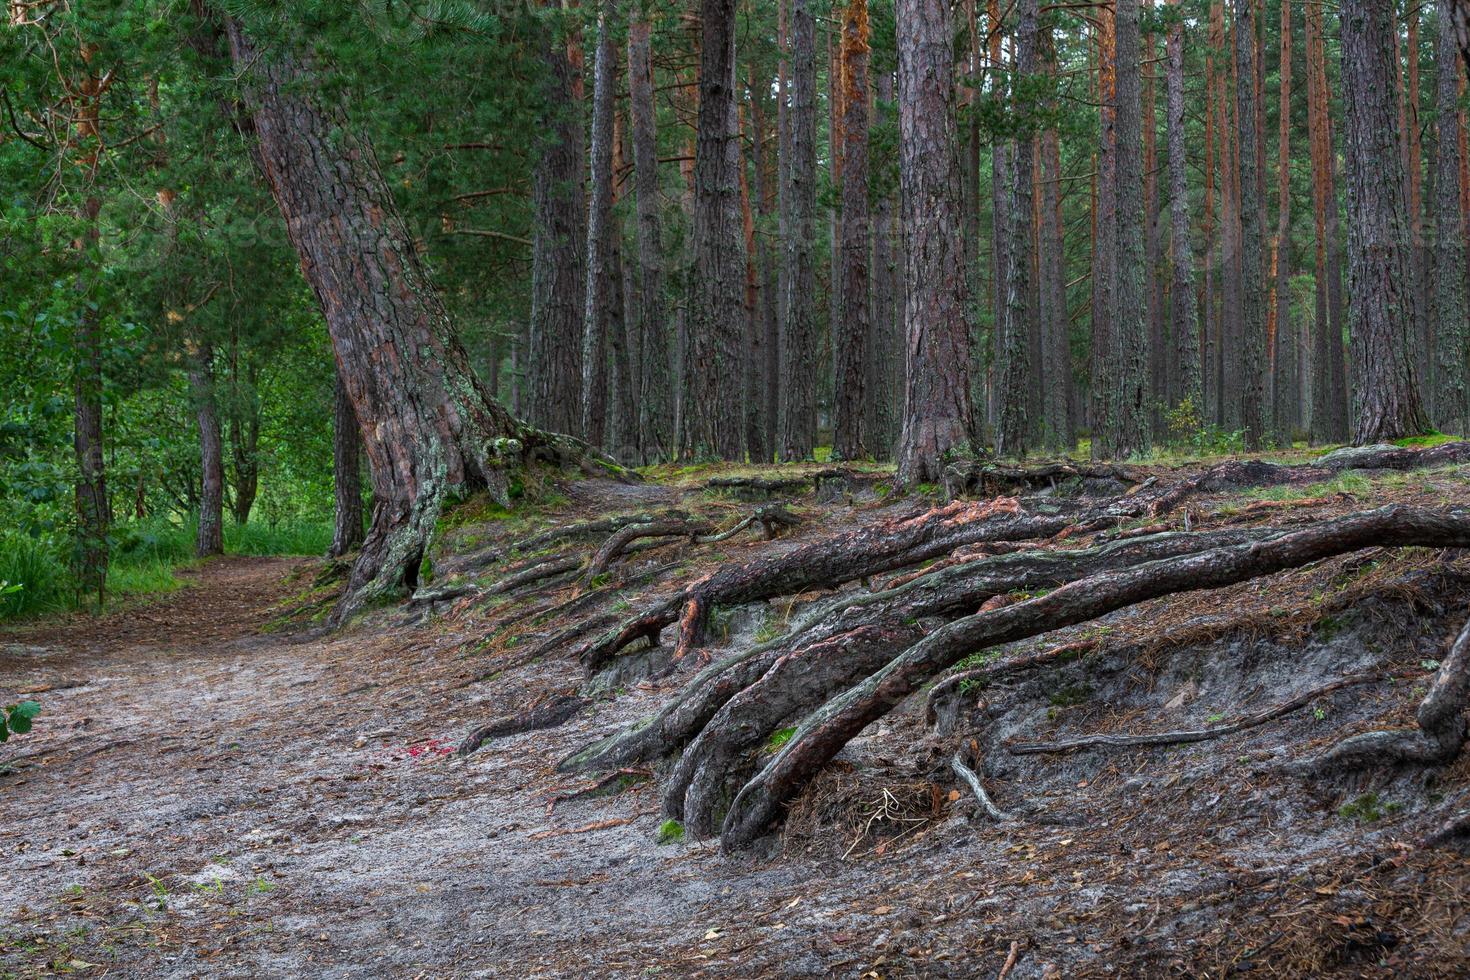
(938,418)
(1129,431)
(1453,399)
(554,362)
(798,411)
(885,359)
(1184,325)
(210,539)
(655,403)
(1329,371)
(850,333)
(347,530)
(1254,409)
(1016,324)
(1104,237)
(427,423)
(1386,395)
(600,287)
(712,367)
(92,508)
(1282,352)
(1059,432)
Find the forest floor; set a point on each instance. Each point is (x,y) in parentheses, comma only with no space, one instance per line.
(217,788)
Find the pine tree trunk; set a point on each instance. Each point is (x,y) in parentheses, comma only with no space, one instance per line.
(987,391)
(886,347)
(623,347)
(210,539)
(1283,351)
(712,368)
(1254,411)
(347,532)
(937,412)
(1056,355)
(554,362)
(1453,402)
(753,356)
(1158,394)
(1183,325)
(1015,327)
(655,402)
(1208,409)
(1329,386)
(1385,376)
(599,286)
(1413,152)
(850,333)
(798,329)
(92,507)
(1104,238)
(427,423)
(767,197)
(244,433)
(1129,431)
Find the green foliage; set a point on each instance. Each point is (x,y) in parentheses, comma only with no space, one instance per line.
(670,832)
(1368,808)
(779,738)
(16,719)
(1188,431)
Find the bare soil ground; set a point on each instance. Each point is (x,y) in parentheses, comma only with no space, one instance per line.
(214,791)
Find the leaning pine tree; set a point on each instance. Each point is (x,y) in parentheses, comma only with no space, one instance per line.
(428,425)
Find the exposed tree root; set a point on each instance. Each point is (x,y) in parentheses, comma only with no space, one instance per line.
(615,545)
(992,479)
(613,782)
(734,705)
(972,779)
(1441,717)
(1103,740)
(548,714)
(831,726)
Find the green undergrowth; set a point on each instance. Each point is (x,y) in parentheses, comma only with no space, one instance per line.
(144,559)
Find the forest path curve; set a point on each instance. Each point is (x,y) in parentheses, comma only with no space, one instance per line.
(202,796)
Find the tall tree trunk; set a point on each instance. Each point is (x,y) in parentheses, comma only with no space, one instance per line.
(1209,406)
(1283,348)
(753,355)
(850,333)
(886,347)
(655,402)
(767,200)
(1231,339)
(244,433)
(1254,411)
(987,389)
(1056,355)
(1159,356)
(1183,325)
(798,331)
(712,368)
(347,531)
(937,412)
(1013,344)
(427,423)
(1104,237)
(93,512)
(554,362)
(1129,430)
(210,539)
(1414,189)
(1329,385)
(1453,401)
(599,287)
(1385,378)
(624,350)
